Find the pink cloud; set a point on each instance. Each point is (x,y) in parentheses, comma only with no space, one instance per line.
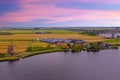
(86,1)
(99,1)
(30,12)
(58,1)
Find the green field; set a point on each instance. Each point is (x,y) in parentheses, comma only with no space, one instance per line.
(113,41)
(33,31)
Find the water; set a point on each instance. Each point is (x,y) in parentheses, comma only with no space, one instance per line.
(103,65)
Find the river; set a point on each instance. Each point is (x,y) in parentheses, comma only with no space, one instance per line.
(102,65)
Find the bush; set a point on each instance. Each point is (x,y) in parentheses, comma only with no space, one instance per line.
(5,33)
(63,46)
(2,55)
(42,32)
(114,46)
(39,32)
(96,48)
(93,47)
(76,48)
(89,33)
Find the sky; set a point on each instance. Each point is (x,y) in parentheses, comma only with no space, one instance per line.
(59,13)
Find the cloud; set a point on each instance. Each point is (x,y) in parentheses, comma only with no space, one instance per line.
(30,10)
(99,1)
(85,1)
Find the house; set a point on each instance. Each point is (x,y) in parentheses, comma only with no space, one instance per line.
(110,35)
(68,41)
(59,43)
(58,40)
(52,40)
(79,41)
(104,45)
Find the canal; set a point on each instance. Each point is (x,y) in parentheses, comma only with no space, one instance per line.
(102,65)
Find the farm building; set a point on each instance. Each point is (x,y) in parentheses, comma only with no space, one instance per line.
(67,41)
(110,35)
(52,40)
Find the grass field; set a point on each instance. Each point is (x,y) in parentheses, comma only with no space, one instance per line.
(113,41)
(32,31)
(21,46)
(41,36)
(61,31)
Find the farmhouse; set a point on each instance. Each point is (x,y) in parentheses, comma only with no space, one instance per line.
(110,35)
(67,41)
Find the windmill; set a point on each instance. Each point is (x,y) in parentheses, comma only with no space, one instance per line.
(10,49)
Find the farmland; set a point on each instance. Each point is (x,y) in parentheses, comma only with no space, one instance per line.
(21,46)
(21,39)
(33,31)
(113,41)
(28,37)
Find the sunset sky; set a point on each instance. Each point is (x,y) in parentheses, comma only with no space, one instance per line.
(32,13)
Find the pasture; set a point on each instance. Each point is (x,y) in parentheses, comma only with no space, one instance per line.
(113,41)
(33,31)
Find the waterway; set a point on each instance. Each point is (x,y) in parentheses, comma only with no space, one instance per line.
(102,65)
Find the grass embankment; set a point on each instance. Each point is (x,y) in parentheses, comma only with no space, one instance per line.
(41,52)
(28,54)
(9,58)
